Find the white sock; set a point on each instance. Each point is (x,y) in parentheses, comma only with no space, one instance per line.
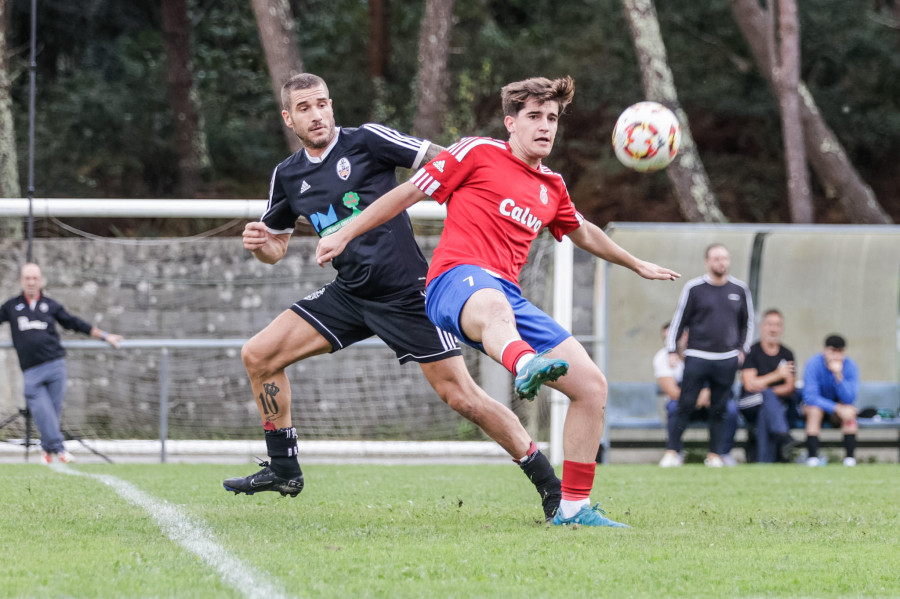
(523,361)
(569,507)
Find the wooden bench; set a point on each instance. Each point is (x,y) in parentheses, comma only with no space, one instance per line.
(638,407)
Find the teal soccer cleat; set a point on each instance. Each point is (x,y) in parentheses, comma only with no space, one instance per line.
(538,371)
(588,516)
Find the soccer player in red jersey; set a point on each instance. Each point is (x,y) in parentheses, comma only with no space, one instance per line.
(499,196)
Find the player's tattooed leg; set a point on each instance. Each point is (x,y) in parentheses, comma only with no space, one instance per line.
(267,398)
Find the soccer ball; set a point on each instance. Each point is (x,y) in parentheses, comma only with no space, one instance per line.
(646,136)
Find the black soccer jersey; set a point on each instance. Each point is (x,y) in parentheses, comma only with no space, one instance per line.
(764,363)
(34,333)
(719,317)
(330,190)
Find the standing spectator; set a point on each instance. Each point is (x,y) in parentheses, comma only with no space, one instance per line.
(32,317)
(830,385)
(768,387)
(717,310)
(499,196)
(668,378)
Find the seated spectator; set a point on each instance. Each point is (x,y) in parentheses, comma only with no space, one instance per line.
(668,378)
(830,386)
(768,385)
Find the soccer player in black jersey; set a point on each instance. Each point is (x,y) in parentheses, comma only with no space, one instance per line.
(32,318)
(379,288)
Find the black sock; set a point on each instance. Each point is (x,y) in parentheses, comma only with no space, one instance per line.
(541,474)
(812,445)
(281,445)
(850,444)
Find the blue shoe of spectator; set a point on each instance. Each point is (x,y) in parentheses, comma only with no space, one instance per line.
(538,371)
(588,516)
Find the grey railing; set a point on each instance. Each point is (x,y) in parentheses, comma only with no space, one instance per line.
(164,345)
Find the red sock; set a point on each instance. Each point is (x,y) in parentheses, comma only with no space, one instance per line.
(512,352)
(577,480)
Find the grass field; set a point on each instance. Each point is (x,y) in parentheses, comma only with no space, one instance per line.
(448,531)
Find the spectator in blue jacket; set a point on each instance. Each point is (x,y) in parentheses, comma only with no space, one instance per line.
(32,317)
(830,386)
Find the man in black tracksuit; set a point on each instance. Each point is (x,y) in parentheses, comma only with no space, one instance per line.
(32,317)
(718,311)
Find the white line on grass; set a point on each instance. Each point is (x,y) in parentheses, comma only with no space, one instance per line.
(190,535)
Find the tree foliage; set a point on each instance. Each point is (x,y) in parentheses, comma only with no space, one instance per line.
(105,127)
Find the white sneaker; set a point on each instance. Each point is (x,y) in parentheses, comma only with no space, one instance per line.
(65,457)
(812,462)
(850,462)
(714,462)
(729,460)
(671,460)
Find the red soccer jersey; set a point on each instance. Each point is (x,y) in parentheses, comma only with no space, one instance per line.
(499,206)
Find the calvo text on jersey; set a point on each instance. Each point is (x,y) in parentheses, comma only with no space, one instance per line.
(509,208)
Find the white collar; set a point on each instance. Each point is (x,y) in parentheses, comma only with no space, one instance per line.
(318,159)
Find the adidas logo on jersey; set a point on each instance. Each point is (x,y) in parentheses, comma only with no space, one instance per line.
(439,165)
(304,186)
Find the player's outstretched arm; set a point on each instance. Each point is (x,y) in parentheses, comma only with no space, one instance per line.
(592,239)
(379,212)
(266,247)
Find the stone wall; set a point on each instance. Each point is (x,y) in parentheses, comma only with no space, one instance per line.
(214,289)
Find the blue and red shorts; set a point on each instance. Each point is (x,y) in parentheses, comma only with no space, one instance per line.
(446,295)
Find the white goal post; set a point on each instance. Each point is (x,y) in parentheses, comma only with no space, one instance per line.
(563,255)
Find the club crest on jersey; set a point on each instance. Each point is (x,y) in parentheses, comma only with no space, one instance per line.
(343,168)
(508,208)
(544,197)
(43,307)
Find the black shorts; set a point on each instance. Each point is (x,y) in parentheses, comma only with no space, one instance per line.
(343,319)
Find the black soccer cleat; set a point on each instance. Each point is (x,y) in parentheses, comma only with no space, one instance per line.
(265,480)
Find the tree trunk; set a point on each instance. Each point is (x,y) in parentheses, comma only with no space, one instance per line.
(787,79)
(824,151)
(434,47)
(10,228)
(193,153)
(277,30)
(379,38)
(695,194)
(379,55)
(9,167)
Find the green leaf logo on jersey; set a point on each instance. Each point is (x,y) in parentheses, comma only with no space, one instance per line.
(351,200)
